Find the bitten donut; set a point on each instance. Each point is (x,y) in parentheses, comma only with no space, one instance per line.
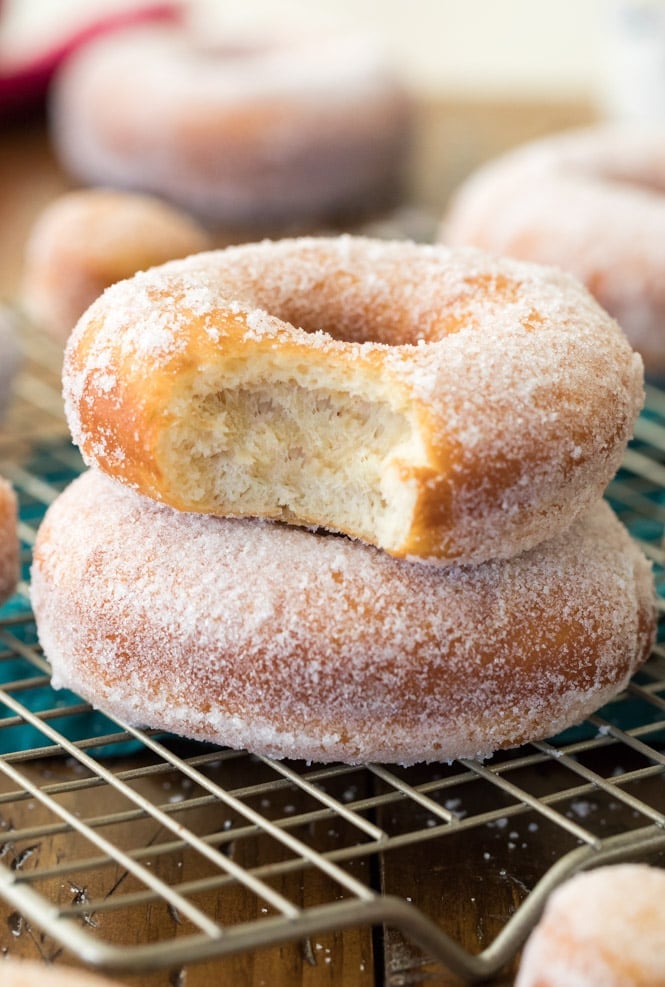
(86,240)
(252,134)
(9,546)
(299,644)
(604,928)
(591,201)
(441,405)
(29,973)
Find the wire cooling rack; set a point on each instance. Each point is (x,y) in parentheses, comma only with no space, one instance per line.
(223,852)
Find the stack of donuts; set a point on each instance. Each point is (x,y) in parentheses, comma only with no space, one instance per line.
(345,503)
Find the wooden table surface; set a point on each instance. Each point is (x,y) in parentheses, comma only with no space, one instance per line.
(451,139)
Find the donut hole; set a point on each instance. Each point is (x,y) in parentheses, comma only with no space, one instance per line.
(292,451)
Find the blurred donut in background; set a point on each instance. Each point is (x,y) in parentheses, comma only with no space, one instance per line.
(10,356)
(591,201)
(26,76)
(602,928)
(260,130)
(86,240)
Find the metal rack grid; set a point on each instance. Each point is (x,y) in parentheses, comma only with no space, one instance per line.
(242,852)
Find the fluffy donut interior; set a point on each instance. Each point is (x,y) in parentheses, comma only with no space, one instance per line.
(294,447)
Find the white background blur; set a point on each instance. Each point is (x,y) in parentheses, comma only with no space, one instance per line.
(607,52)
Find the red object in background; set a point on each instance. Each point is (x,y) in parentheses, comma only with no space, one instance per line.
(23,86)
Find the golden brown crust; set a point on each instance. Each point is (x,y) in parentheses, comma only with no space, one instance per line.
(297,644)
(9,545)
(442,405)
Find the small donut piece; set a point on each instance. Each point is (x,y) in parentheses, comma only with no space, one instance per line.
(29,973)
(441,405)
(251,134)
(9,545)
(591,201)
(296,644)
(88,239)
(602,928)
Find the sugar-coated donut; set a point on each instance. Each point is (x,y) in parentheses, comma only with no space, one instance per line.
(299,644)
(603,928)
(9,545)
(88,239)
(259,134)
(30,973)
(441,405)
(591,201)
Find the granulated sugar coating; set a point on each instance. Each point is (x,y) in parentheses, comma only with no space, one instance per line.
(605,928)
(591,201)
(292,643)
(443,405)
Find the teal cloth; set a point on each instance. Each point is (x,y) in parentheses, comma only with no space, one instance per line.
(57,464)
(93,724)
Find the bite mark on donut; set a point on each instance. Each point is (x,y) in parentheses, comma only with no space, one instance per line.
(292,450)
(448,406)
